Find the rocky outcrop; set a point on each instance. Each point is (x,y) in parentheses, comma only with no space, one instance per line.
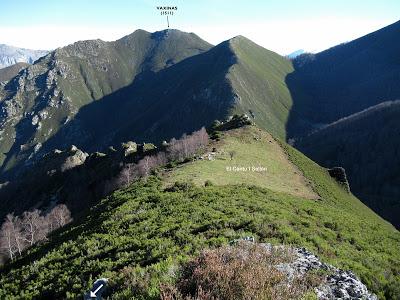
(235,121)
(75,158)
(337,284)
(61,161)
(344,285)
(129,148)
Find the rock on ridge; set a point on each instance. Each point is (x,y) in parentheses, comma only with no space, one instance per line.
(338,284)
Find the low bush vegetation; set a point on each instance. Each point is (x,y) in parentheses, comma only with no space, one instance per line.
(243,271)
(140,235)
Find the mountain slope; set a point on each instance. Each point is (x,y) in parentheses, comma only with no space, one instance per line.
(154,86)
(339,83)
(258,78)
(190,94)
(10,72)
(10,55)
(366,145)
(345,79)
(48,94)
(141,99)
(137,236)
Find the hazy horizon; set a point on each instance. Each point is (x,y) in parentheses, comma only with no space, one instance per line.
(280,27)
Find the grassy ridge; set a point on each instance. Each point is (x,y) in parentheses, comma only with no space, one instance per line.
(138,235)
(250,147)
(149,229)
(258,78)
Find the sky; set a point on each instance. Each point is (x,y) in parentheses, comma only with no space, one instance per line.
(279,25)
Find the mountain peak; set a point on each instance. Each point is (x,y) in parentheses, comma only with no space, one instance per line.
(239,39)
(163,34)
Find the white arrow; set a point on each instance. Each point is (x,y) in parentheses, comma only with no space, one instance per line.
(93,294)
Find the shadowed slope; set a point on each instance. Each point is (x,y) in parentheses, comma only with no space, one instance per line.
(47,95)
(188,95)
(366,144)
(339,83)
(345,79)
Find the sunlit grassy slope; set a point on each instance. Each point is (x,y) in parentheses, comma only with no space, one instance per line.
(250,148)
(258,78)
(138,235)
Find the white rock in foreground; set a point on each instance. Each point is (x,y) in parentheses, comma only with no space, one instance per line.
(339,284)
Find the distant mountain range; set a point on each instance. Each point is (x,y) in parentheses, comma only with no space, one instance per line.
(154,86)
(10,55)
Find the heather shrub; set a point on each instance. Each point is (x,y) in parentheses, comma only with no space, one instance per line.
(243,271)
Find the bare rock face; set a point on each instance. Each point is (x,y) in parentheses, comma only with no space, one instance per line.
(61,161)
(338,284)
(344,285)
(129,148)
(75,158)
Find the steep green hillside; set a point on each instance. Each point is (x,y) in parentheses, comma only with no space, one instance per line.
(47,95)
(154,86)
(258,81)
(345,79)
(366,144)
(136,236)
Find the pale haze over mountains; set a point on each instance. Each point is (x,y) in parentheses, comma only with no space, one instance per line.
(10,55)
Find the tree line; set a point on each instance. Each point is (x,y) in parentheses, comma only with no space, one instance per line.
(177,150)
(20,232)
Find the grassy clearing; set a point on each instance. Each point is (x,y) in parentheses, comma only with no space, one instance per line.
(252,147)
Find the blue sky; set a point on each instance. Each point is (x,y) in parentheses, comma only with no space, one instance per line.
(282,26)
